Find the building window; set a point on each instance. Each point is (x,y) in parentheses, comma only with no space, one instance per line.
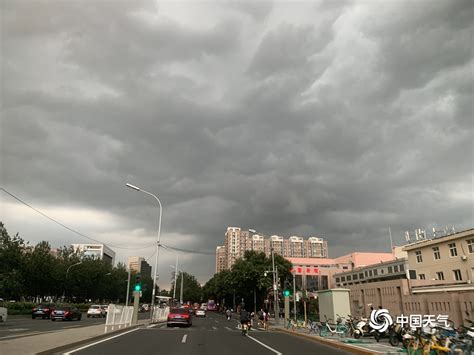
(349,278)
(470,245)
(402,267)
(419,258)
(375,272)
(343,279)
(436,254)
(361,275)
(355,277)
(366,273)
(457,275)
(395,268)
(452,249)
(422,276)
(337,279)
(440,275)
(390,269)
(345,267)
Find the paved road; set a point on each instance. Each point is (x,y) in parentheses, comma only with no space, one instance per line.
(211,336)
(20,326)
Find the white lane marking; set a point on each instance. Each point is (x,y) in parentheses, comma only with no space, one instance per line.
(17,329)
(216,321)
(264,345)
(98,342)
(72,326)
(228,329)
(184,338)
(151,325)
(214,328)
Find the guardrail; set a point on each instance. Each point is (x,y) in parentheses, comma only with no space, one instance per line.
(118,316)
(159,314)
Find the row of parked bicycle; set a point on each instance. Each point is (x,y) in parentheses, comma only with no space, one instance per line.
(437,339)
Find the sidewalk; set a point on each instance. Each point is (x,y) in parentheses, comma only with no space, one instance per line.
(363,347)
(43,342)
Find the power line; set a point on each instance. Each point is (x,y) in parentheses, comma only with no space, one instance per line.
(189,251)
(68,228)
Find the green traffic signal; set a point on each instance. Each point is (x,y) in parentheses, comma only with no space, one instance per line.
(286,293)
(138,288)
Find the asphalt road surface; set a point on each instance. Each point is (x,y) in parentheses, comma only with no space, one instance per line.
(20,326)
(212,335)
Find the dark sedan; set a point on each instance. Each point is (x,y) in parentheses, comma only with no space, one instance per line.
(179,316)
(42,311)
(66,313)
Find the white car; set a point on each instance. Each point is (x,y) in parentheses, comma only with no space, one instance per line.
(3,314)
(96,311)
(200,313)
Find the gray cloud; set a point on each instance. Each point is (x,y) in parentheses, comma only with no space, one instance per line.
(335,119)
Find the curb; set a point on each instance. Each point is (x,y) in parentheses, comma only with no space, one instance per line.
(88,340)
(334,344)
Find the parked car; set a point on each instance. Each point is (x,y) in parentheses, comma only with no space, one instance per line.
(200,312)
(66,313)
(43,311)
(105,307)
(3,311)
(179,316)
(96,310)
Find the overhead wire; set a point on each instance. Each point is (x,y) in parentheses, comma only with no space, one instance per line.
(71,229)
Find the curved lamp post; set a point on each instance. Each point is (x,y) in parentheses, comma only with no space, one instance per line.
(157,243)
(67,273)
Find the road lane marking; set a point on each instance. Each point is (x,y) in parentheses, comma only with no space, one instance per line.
(72,326)
(265,345)
(18,329)
(152,325)
(184,338)
(228,329)
(98,342)
(216,321)
(214,328)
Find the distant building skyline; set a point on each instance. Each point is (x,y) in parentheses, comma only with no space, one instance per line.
(97,251)
(238,241)
(139,265)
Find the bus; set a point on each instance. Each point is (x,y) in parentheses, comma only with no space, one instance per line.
(211,305)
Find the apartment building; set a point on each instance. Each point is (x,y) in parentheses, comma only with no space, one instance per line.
(434,278)
(238,241)
(139,265)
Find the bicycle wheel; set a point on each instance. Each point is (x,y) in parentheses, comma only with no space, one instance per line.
(342,330)
(323,331)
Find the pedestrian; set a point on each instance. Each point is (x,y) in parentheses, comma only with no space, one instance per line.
(266,318)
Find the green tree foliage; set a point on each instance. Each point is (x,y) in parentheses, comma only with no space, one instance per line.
(32,272)
(192,291)
(247,280)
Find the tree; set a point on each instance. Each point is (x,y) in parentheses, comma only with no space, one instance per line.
(192,291)
(11,264)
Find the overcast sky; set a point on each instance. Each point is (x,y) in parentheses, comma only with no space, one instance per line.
(325,118)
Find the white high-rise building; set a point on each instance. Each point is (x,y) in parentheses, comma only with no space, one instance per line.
(97,251)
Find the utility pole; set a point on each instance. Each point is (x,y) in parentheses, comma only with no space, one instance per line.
(276,305)
(294,295)
(128,287)
(181,291)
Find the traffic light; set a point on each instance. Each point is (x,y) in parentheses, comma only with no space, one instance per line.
(287,289)
(138,283)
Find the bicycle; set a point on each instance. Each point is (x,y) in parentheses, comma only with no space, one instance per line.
(313,327)
(339,328)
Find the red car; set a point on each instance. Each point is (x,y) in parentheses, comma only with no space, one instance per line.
(42,311)
(179,316)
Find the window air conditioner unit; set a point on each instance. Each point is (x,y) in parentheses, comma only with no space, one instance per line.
(463,257)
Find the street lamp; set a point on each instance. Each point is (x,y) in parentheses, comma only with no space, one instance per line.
(276,303)
(67,273)
(157,243)
(176,267)
(182,279)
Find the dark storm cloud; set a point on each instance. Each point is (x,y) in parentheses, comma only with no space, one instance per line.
(334,119)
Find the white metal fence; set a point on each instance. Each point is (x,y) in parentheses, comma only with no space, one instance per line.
(160,314)
(118,317)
